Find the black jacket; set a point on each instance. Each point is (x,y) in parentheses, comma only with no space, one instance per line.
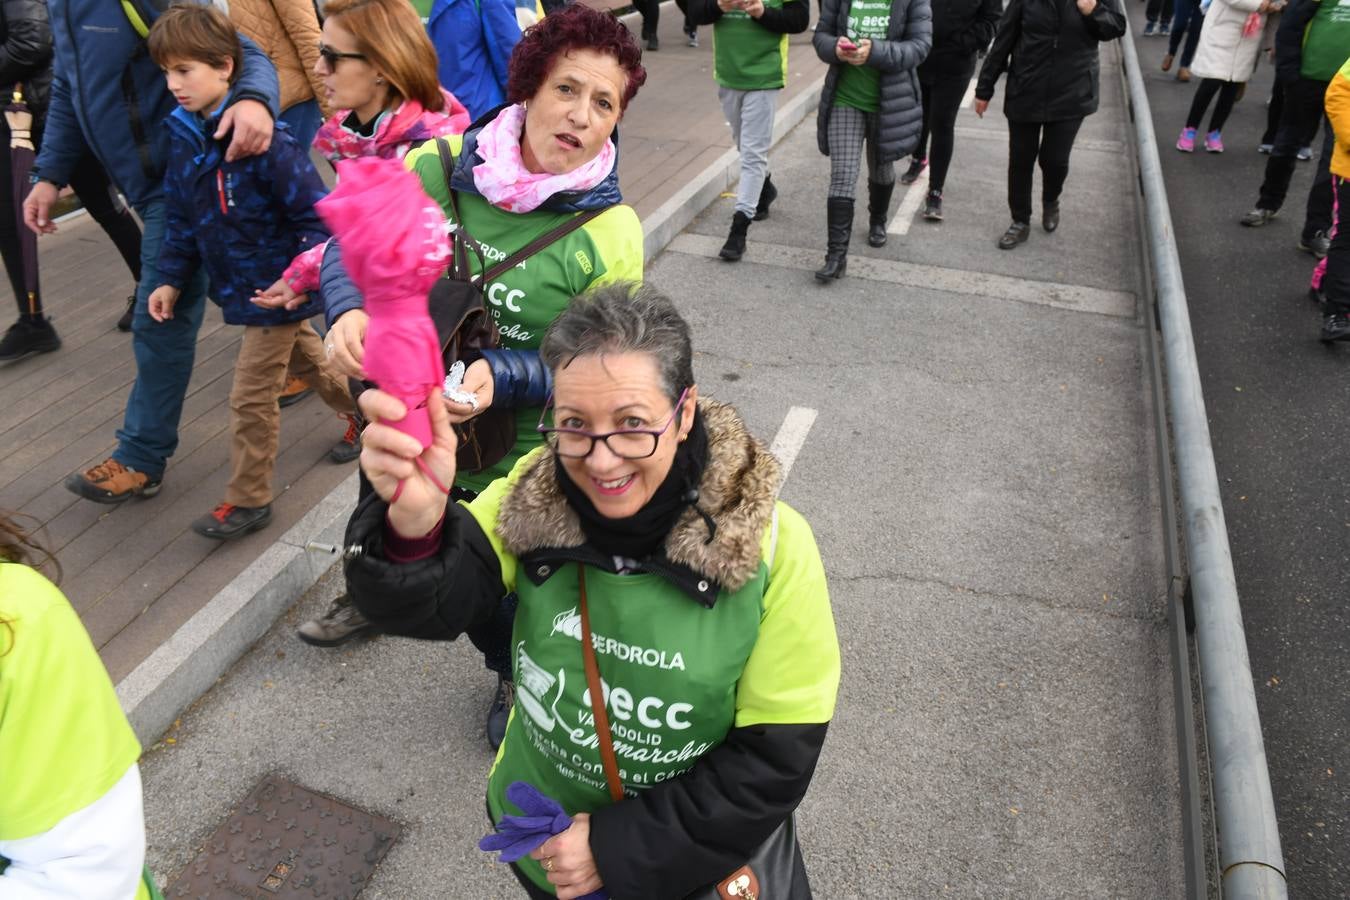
(961,28)
(1049,50)
(664,841)
(26,52)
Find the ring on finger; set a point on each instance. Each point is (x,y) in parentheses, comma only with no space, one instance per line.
(547,863)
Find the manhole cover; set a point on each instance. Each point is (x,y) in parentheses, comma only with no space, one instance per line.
(288,842)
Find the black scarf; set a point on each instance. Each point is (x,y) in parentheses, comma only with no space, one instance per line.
(643,533)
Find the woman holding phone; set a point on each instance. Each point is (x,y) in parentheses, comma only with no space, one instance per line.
(871,96)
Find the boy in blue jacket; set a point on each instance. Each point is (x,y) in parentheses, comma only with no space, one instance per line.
(243,221)
(107,94)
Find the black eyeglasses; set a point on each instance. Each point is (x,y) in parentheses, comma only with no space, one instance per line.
(331,56)
(637,443)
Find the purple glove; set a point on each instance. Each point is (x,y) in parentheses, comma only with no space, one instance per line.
(517,836)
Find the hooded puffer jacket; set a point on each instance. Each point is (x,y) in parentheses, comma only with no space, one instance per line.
(908,39)
(1228,48)
(242,221)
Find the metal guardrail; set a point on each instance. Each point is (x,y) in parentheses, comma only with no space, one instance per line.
(1251,862)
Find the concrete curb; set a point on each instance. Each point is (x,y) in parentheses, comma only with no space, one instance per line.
(208,644)
(186,665)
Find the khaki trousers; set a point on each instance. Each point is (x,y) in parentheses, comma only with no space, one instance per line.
(255,419)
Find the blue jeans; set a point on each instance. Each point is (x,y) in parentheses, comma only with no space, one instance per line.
(164,354)
(303,119)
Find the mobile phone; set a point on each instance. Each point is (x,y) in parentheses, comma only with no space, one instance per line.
(846,45)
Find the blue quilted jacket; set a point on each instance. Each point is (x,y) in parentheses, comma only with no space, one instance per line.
(243,220)
(109,95)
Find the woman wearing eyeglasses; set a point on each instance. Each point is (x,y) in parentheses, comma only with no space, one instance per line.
(523,169)
(650,519)
(377,68)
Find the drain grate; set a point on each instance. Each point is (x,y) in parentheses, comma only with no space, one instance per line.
(287,842)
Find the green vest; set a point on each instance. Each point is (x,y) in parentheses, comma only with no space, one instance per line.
(1326,42)
(676,675)
(528,298)
(860,86)
(746,56)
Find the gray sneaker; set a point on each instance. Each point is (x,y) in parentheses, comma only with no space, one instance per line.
(1317,245)
(1258,217)
(342,622)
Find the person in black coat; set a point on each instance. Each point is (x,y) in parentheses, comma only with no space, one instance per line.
(26,63)
(1049,50)
(961,29)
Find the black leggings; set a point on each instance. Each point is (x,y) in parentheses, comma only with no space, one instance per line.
(1204,92)
(941,103)
(91,183)
(1048,143)
(650,11)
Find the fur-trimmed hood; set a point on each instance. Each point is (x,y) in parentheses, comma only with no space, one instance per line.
(738,490)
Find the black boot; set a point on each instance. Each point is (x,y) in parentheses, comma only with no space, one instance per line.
(28,335)
(767,195)
(734,248)
(839,216)
(878,201)
(1050,217)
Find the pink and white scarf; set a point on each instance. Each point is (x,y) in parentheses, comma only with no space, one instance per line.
(503,179)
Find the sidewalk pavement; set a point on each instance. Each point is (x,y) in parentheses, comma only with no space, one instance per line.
(970,437)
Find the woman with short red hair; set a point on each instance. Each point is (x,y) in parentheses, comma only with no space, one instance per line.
(547,156)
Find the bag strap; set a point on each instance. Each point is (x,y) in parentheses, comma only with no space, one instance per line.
(533,247)
(459,264)
(540,243)
(602,733)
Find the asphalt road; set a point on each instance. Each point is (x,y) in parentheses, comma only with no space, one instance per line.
(1277,407)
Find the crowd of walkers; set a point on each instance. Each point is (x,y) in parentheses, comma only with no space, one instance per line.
(622,503)
(1308,42)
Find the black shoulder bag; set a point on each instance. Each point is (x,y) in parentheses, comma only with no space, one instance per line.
(466,327)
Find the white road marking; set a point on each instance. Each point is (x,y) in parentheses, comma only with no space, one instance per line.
(1076,297)
(909,204)
(791,436)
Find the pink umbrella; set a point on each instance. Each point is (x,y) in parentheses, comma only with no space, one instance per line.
(394,247)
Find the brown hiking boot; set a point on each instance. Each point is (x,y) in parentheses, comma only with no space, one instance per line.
(295,390)
(342,622)
(349,448)
(112,482)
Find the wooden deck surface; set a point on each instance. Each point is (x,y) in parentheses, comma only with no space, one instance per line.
(135,572)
